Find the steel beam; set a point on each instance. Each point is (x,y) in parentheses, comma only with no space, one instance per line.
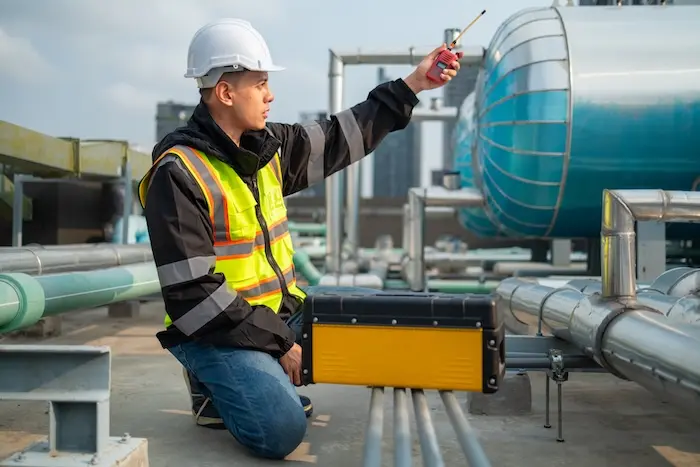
(75,380)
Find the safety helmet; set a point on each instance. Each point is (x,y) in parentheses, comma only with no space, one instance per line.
(226,45)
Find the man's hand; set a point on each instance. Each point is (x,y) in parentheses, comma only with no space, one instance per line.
(291,363)
(417,80)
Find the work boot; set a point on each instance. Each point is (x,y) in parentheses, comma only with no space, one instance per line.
(205,414)
(308,406)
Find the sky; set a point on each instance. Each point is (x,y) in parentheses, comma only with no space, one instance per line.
(94,69)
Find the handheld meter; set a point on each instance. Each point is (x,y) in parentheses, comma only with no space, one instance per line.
(446,57)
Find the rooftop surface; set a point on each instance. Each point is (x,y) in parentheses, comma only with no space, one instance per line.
(606,421)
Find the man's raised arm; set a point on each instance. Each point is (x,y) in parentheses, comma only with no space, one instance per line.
(316,150)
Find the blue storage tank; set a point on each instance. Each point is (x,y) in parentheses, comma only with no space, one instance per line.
(474,219)
(573,100)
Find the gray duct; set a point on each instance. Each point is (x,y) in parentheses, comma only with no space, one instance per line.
(38,260)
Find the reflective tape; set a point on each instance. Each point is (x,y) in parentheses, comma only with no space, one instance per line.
(267,287)
(315,168)
(206,310)
(185,270)
(353,135)
(243,248)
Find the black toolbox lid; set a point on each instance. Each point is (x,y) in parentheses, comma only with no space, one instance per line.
(403,309)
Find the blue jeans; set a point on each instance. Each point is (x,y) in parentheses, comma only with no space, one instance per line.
(251,392)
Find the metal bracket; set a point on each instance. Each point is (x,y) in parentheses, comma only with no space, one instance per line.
(75,380)
(559,375)
(532,353)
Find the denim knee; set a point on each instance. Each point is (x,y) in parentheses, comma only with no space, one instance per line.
(282,434)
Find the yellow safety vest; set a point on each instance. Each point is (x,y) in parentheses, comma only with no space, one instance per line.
(239,241)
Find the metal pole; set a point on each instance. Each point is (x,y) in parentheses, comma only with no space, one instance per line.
(416,210)
(429,446)
(334,184)
(402,432)
(375,428)
(476,457)
(17,209)
(128,200)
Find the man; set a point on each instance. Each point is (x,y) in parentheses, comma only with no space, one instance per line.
(217,221)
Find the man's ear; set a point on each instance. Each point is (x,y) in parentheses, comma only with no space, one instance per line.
(223,91)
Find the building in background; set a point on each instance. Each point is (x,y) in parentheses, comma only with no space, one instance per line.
(319,189)
(171,115)
(397,159)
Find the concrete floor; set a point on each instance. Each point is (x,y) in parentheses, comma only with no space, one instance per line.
(607,422)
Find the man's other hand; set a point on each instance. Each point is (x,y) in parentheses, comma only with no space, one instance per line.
(418,81)
(291,363)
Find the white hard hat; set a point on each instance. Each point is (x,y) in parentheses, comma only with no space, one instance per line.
(226,45)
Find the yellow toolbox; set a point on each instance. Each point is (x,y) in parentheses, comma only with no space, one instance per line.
(407,340)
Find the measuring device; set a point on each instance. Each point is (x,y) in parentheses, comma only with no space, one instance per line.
(446,57)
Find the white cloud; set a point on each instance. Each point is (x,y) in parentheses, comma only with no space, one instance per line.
(131,98)
(21,61)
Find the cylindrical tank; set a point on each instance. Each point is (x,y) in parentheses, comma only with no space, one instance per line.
(574,100)
(474,219)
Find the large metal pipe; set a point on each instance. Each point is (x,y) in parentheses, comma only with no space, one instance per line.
(621,208)
(25,299)
(38,260)
(334,184)
(629,340)
(673,293)
(418,199)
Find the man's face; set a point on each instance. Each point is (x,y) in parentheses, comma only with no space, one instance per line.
(250,100)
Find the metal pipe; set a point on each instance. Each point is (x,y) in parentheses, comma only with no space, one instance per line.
(337,62)
(403,56)
(40,260)
(621,208)
(375,428)
(26,299)
(429,446)
(402,433)
(418,199)
(629,340)
(334,183)
(476,457)
(354,188)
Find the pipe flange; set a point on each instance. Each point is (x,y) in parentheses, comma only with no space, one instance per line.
(603,327)
(31,298)
(598,343)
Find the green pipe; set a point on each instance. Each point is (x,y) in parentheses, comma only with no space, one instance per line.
(308,228)
(303,264)
(25,299)
(447,286)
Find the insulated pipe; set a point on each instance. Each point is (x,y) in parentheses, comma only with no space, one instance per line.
(672,293)
(418,200)
(40,260)
(621,208)
(24,299)
(303,264)
(631,341)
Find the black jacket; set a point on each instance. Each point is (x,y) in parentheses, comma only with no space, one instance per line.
(178,219)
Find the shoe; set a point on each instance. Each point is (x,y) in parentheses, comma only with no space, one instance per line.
(308,406)
(205,414)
